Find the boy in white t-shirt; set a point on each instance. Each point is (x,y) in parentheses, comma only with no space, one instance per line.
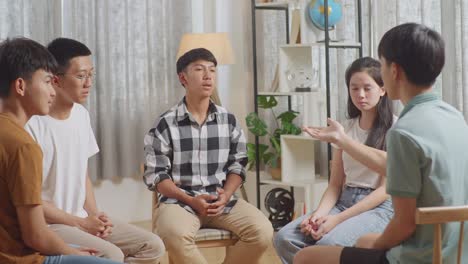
(67,141)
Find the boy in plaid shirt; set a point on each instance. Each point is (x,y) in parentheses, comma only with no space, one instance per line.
(195,157)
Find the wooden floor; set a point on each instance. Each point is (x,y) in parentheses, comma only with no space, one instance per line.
(216,255)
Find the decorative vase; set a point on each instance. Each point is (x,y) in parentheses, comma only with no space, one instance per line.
(276,172)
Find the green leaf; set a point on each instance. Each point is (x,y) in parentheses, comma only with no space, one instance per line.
(273,161)
(276,144)
(277,134)
(256,125)
(251,157)
(288,116)
(266,102)
(290,129)
(269,158)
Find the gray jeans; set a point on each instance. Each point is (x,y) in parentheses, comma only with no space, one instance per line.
(289,239)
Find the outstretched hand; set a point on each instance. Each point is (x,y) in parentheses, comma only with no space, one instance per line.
(333,133)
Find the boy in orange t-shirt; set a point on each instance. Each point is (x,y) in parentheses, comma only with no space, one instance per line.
(26,74)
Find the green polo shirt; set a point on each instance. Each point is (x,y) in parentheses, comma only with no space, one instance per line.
(427,160)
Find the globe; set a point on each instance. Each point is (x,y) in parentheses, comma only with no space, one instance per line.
(316,10)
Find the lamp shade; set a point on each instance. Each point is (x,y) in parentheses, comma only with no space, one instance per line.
(217,43)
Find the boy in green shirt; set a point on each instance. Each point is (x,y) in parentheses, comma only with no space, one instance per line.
(426,165)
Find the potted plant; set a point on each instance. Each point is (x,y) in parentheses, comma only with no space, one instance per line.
(284,126)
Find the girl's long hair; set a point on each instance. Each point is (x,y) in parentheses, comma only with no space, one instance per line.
(384,117)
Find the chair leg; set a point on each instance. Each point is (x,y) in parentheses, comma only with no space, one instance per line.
(460,243)
(437,251)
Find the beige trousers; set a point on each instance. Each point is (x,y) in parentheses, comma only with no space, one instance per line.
(178,228)
(126,243)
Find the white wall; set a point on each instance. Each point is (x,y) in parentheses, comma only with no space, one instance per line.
(128,200)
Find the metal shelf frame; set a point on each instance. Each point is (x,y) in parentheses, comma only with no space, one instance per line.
(284,7)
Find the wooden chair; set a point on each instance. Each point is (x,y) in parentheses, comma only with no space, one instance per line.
(205,237)
(438,216)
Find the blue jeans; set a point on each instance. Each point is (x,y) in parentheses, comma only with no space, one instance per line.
(71,259)
(289,239)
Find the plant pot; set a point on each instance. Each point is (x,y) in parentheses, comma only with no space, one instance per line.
(276,172)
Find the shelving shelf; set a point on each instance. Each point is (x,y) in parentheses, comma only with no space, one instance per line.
(285,93)
(265,178)
(345,45)
(272,5)
(313,188)
(313,184)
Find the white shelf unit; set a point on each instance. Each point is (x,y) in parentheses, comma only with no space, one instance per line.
(298,166)
(312,110)
(313,188)
(282,4)
(282,93)
(296,66)
(344,44)
(316,105)
(297,158)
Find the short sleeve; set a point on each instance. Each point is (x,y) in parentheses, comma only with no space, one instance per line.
(404,155)
(92,144)
(25,180)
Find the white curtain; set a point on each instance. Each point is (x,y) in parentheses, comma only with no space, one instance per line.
(455,74)
(36,19)
(134,43)
(448,17)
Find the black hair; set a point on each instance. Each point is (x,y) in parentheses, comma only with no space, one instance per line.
(418,49)
(194,55)
(384,117)
(65,49)
(21,58)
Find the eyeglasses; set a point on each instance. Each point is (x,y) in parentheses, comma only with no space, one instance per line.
(81,76)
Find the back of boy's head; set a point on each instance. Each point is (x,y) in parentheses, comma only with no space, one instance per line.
(418,49)
(21,58)
(194,55)
(65,49)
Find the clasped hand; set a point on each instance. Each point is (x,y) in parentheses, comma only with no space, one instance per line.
(317,226)
(210,205)
(99,225)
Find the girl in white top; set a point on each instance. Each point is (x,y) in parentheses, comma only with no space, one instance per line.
(355,202)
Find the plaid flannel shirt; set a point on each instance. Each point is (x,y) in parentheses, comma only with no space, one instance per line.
(197,158)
